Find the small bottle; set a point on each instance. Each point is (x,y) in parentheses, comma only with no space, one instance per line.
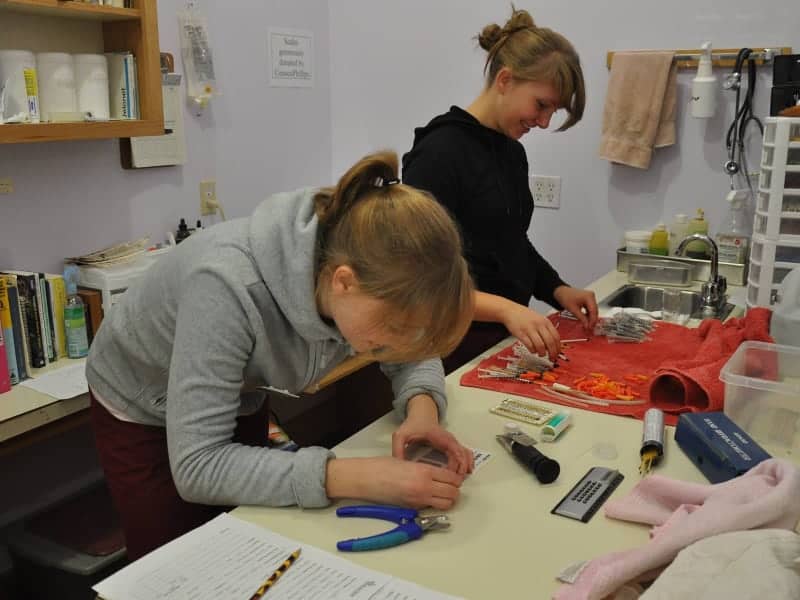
(704,87)
(199,225)
(659,241)
(678,230)
(733,239)
(183,232)
(74,317)
(697,225)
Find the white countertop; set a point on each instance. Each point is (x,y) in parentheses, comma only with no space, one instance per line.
(24,409)
(503,540)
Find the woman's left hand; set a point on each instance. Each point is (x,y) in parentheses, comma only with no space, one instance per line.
(422,425)
(580,303)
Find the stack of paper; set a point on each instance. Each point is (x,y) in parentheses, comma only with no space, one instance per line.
(230,558)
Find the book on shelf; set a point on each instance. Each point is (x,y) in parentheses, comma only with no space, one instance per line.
(45,309)
(57,290)
(21,347)
(8,333)
(32,318)
(28,298)
(123,85)
(5,377)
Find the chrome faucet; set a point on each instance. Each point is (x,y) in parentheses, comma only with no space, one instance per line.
(713,291)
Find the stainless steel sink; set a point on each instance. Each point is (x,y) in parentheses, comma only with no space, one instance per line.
(651,298)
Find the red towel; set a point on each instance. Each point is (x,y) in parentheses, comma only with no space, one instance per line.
(682,364)
(693,384)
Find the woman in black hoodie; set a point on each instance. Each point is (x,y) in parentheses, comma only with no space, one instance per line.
(472,162)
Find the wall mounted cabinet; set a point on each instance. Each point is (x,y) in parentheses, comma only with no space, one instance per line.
(55,25)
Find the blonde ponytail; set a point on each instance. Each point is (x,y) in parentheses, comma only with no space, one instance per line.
(360,179)
(404,249)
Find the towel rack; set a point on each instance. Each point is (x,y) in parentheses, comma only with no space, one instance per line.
(720,57)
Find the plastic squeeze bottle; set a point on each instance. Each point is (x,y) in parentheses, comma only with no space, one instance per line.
(74,317)
(733,238)
(697,225)
(659,240)
(678,229)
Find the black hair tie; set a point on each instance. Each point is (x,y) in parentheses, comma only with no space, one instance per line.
(381,182)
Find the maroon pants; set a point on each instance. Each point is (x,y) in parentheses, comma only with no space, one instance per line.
(136,465)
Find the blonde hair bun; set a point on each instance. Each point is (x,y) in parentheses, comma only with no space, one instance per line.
(493,33)
(520,19)
(489,36)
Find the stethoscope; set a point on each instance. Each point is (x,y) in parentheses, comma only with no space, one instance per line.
(743,114)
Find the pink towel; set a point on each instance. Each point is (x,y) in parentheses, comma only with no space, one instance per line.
(767,496)
(639,113)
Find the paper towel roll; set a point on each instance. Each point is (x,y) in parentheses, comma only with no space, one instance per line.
(57,92)
(91,81)
(14,64)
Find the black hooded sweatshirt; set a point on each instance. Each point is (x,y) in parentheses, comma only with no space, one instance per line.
(481,176)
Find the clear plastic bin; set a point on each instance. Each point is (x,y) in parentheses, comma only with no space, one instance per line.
(762,394)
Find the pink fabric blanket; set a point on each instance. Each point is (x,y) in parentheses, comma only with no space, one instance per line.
(767,496)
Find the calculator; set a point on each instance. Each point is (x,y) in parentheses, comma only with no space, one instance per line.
(589,494)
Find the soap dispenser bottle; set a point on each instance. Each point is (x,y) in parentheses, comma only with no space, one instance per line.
(704,87)
(678,229)
(659,241)
(733,239)
(697,225)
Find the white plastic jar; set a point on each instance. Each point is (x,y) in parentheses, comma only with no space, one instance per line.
(57,94)
(91,80)
(21,96)
(637,241)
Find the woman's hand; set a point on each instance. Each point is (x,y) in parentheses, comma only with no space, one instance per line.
(389,480)
(533,329)
(422,425)
(580,303)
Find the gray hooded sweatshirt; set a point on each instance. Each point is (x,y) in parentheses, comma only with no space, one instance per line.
(233,306)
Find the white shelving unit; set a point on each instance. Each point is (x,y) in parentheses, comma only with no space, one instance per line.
(776,229)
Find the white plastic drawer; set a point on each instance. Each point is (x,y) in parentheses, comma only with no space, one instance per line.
(779,227)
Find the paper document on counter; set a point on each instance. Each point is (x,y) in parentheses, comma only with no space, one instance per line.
(67,382)
(230,558)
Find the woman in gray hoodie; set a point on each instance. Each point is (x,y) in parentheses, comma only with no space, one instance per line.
(279,299)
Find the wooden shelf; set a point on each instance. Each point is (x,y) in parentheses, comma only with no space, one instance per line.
(56,132)
(118,30)
(77,10)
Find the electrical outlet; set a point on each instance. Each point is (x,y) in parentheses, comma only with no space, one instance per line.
(546,190)
(6,185)
(208,197)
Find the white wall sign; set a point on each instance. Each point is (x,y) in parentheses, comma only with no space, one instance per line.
(291,58)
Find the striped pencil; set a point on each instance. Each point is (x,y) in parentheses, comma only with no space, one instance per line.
(276,575)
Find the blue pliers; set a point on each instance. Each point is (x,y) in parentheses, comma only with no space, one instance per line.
(410,526)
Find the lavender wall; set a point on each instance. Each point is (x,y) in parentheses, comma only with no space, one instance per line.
(73,197)
(397,64)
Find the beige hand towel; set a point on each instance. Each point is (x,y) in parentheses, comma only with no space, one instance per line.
(640,107)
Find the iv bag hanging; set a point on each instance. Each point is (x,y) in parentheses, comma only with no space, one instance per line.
(198,62)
